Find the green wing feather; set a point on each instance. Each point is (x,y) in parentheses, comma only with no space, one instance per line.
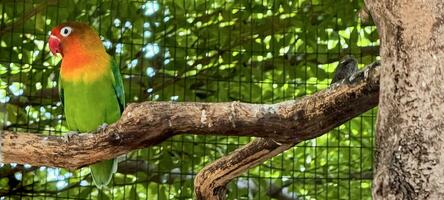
(61,95)
(118,86)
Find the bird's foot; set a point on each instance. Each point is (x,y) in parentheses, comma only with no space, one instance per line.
(69,135)
(102,127)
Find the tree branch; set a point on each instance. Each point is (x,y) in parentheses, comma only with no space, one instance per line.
(149,123)
(211,181)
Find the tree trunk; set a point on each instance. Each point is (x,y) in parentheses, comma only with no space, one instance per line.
(409,161)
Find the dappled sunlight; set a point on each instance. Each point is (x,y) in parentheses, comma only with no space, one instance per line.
(193,51)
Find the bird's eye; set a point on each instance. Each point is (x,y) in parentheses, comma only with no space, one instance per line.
(65,31)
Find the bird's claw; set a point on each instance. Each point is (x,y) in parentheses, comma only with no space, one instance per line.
(102,127)
(69,135)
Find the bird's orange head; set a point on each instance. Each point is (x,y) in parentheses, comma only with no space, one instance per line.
(84,56)
(74,37)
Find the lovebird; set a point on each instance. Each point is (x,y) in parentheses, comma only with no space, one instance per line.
(90,86)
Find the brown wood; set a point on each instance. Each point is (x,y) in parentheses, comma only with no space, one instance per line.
(149,123)
(211,181)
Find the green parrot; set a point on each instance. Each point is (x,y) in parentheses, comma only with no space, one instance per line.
(90,86)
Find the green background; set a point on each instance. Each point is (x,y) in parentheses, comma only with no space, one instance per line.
(193,50)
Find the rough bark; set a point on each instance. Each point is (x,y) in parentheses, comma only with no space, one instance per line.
(410,148)
(211,181)
(150,123)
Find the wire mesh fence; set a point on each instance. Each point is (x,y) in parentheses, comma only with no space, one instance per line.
(262,51)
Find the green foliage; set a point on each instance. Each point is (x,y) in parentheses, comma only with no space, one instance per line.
(201,50)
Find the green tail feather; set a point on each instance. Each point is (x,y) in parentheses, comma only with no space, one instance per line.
(102,172)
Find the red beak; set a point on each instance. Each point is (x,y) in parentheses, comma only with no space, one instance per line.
(54,45)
